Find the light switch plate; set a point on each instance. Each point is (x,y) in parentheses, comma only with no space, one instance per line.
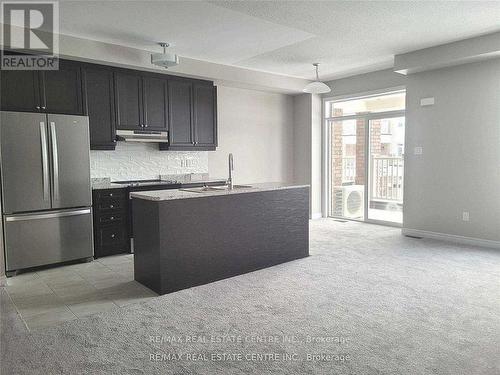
(426,101)
(418,150)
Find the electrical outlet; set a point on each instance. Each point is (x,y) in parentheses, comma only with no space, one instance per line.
(465,216)
(418,150)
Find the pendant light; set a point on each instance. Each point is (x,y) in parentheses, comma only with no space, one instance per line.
(317,87)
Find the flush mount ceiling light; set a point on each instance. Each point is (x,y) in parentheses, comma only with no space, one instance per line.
(165,59)
(317,87)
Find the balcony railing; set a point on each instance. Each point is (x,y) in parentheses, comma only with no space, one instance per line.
(387,178)
(348,169)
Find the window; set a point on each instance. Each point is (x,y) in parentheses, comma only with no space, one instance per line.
(366,157)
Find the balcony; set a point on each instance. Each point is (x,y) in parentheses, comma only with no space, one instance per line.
(387,178)
(385,188)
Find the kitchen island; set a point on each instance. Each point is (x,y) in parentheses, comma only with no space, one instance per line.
(189,237)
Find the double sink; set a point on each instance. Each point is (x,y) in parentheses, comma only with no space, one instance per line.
(208,189)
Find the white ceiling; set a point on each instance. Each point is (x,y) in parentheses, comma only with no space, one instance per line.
(283,37)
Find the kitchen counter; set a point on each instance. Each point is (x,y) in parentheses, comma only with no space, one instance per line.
(181,242)
(105,184)
(166,195)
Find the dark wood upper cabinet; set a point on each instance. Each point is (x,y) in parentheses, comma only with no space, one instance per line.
(192,115)
(117,98)
(141,101)
(99,89)
(205,115)
(53,91)
(20,90)
(155,103)
(180,95)
(62,89)
(128,98)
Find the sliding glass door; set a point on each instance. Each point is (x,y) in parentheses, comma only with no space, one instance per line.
(386,171)
(366,158)
(347,169)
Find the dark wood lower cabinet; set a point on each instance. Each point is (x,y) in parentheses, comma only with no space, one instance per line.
(110,222)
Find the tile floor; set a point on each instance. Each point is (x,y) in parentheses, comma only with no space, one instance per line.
(60,294)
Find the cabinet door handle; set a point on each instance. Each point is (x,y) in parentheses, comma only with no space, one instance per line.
(111,194)
(44,107)
(145,125)
(37,107)
(112,236)
(111,206)
(112,218)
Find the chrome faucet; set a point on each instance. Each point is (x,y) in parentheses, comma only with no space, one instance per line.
(231,169)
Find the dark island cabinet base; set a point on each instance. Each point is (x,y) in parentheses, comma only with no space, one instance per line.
(182,243)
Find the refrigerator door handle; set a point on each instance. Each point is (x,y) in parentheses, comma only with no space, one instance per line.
(45,161)
(48,215)
(55,161)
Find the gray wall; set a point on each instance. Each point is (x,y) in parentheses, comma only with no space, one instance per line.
(459,169)
(316,156)
(379,80)
(307,147)
(302,139)
(257,127)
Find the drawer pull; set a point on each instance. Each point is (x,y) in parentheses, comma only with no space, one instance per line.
(111,206)
(110,194)
(113,236)
(112,218)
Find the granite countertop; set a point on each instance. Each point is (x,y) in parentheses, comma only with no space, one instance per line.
(106,184)
(166,195)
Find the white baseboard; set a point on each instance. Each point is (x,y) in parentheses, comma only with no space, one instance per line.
(451,238)
(317,215)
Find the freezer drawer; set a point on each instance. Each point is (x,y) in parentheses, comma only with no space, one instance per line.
(47,237)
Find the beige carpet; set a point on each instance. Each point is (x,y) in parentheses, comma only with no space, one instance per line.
(370,300)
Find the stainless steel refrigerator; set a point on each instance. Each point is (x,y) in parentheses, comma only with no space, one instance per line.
(46,193)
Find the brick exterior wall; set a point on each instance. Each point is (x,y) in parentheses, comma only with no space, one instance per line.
(360,152)
(337,153)
(375,132)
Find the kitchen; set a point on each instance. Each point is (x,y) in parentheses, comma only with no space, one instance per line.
(154,119)
(299,195)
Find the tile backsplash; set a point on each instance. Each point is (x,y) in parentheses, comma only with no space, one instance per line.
(131,161)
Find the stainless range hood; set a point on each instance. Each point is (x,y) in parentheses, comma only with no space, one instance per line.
(142,136)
